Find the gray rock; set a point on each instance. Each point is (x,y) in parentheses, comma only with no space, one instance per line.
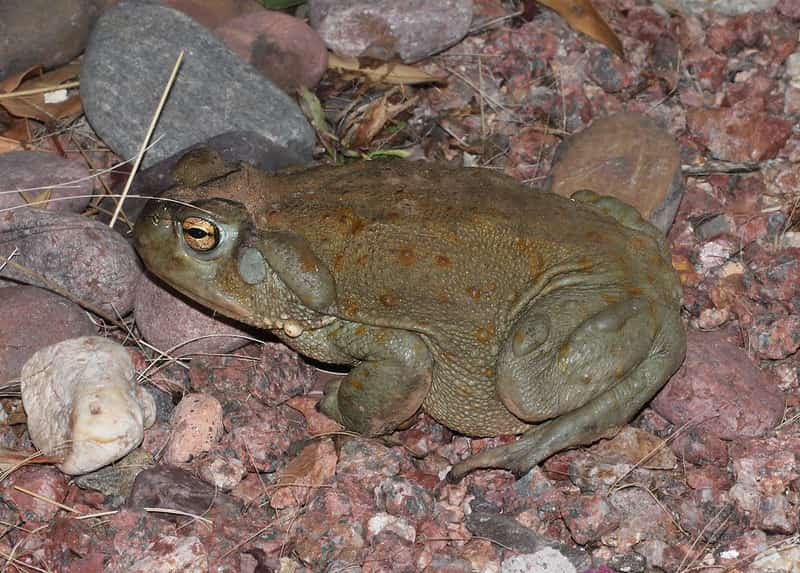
(39,318)
(727,7)
(130,55)
(81,255)
(385,29)
(41,32)
(48,176)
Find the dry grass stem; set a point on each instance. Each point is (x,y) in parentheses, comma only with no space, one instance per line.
(35,495)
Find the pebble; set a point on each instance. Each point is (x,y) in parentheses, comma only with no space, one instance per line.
(627,156)
(727,7)
(166,320)
(284,49)
(588,517)
(40,318)
(82,392)
(44,481)
(742,132)
(42,32)
(383,29)
(124,72)
(720,390)
(81,255)
(46,174)
(216,13)
(196,427)
(547,560)
(224,473)
(313,467)
(116,481)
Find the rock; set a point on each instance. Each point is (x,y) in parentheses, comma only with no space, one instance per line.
(727,7)
(214,14)
(284,49)
(171,554)
(588,517)
(742,132)
(402,497)
(46,482)
(171,323)
(40,318)
(224,473)
(83,402)
(628,156)
(82,256)
(173,488)
(410,30)
(777,560)
(65,183)
(775,338)
(547,560)
(311,469)
(196,427)
(123,76)
(720,391)
(41,32)
(635,446)
(116,480)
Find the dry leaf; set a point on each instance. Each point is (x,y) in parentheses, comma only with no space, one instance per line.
(35,106)
(581,15)
(374,119)
(312,109)
(7,145)
(400,74)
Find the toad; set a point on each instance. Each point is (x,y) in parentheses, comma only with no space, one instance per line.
(495,308)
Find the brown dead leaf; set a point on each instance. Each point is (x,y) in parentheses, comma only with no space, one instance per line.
(18,131)
(391,73)
(581,15)
(374,118)
(41,105)
(7,145)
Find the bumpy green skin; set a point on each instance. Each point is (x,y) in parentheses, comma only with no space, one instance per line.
(495,308)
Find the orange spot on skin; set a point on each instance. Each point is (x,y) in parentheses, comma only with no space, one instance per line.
(362,260)
(338,261)
(389,299)
(485,333)
(309,262)
(488,372)
(356,226)
(585,262)
(453,237)
(360,330)
(593,236)
(274,218)
(406,256)
(349,308)
(355,383)
(442,297)
(442,261)
(610,299)
(634,291)
(474,293)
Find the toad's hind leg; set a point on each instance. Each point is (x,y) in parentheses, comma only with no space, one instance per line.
(593,420)
(387,385)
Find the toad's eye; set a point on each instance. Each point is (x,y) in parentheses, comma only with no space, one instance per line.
(200,234)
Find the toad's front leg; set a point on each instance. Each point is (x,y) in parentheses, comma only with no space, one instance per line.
(386,386)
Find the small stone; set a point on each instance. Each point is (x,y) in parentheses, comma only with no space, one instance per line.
(299,480)
(720,391)
(196,427)
(628,563)
(383,29)
(224,473)
(775,338)
(547,560)
(83,402)
(635,446)
(46,482)
(215,14)
(743,132)
(401,497)
(170,554)
(588,517)
(181,327)
(399,526)
(627,156)
(41,32)
(284,49)
(65,184)
(777,560)
(40,318)
(727,7)
(123,74)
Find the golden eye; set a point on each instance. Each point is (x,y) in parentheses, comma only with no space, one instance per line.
(200,234)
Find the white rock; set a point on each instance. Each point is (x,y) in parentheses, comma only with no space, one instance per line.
(727,7)
(82,402)
(547,560)
(778,560)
